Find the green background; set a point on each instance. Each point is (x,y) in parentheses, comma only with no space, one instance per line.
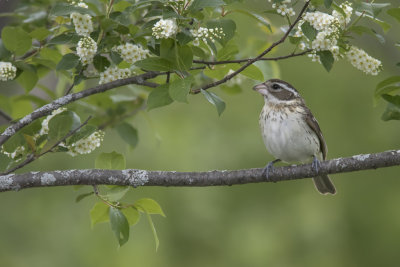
(282,224)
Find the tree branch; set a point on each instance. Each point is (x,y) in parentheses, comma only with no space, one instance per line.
(48,108)
(132,177)
(247,59)
(251,61)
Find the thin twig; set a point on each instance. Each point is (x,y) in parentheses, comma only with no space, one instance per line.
(32,157)
(248,59)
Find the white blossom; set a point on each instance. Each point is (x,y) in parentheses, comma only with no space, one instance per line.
(7,71)
(131,53)
(17,152)
(45,123)
(165,28)
(205,34)
(86,145)
(113,74)
(86,49)
(364,62)
(283,9)
(83,23)
(348,10)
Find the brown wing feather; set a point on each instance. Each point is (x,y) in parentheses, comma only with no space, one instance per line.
(312,122)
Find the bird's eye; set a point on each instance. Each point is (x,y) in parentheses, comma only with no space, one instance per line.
(275,86)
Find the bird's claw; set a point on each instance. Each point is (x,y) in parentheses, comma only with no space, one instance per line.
(316,164)
(268,169)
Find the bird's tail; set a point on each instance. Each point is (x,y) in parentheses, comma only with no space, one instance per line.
(324,185)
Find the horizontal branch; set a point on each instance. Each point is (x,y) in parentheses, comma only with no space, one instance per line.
(48,108)
(248,59)
(132,177)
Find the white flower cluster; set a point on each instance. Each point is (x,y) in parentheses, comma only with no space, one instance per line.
(205,34)
(348,11)
(82,146)
(86,145)
(283,9)
(45,123)
(114,73)
(17,152)
(7,71)
(364,62)
(165,28)
(131,53)
(328,29)
(86,50)
(236,80)
(83,23)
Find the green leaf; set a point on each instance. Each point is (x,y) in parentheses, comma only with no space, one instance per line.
(215,100)
(255,16)
(50,54)
(14,142)
(40,33)
(153,229)
(101,63)
(372,9)
(159,97)
(327,59)
(154,63)
(132,215)
(395,13)
(16,40)
(67,62)
(253,72)
(199,4)
(4,162)
(392,111)
(181,57)
(384,25)
(228,26)
(309,31)
(119,225)
(65,38)
(28,79)
(116,193)
(228,51)
(328,3)
(82,196)
(180,88)
(4,53)
(115,57)
(64,9)
(99,213)
(149,205)
(113,161)
(386,82)
(358,29)
(128,133)
(60,125)
(185,58)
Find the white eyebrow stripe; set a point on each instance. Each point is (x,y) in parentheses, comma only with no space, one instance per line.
(288,88)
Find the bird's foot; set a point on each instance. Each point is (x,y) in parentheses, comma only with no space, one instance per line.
(268,169)
(316,164)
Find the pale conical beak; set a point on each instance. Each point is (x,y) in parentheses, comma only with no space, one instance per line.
(261,88)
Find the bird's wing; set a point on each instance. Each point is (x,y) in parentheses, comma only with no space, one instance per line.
(312,122)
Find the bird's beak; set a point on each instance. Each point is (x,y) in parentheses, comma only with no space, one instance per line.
(261,88)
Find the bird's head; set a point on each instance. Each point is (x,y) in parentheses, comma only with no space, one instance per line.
(277,91)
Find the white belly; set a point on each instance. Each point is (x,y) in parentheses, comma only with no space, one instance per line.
(289,138)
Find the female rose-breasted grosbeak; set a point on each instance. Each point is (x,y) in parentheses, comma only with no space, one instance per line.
(290,131)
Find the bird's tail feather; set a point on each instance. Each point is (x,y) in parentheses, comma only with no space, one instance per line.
(324,185)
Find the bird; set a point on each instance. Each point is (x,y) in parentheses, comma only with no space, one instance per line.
(290,131)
